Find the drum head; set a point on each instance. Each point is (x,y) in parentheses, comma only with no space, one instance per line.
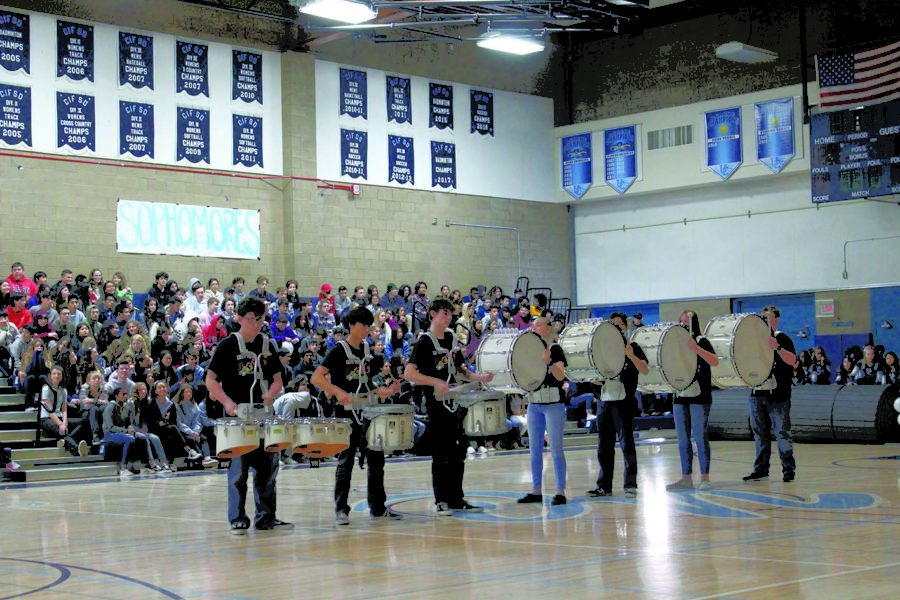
(753,358)
(678,363)
(608,350)
(528,365)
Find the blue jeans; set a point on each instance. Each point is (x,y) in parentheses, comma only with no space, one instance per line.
(767,413)
(550,418)
(614,419)
(119,438)
(265,467)
(692,420)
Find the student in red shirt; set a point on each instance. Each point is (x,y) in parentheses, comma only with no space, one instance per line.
(18,314)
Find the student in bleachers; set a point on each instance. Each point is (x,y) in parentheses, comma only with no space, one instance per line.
(397,345)
(215,332)
(18,314)
(35,369)
(261,290)
(5,299)
(819,367)
(322,318)
(190,423)
(419,306)
(140,405)
(55,423)
(891,369)
(392,298)
(118,431)
(868,371)
(162,420)
(19,282)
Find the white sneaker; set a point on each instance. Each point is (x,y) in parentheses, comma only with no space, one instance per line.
(209,462)
(481,450)
(193,455)
(442,509)
(705,485)
(470,450)
(83,449)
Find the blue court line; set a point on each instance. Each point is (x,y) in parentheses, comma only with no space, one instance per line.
(64,575)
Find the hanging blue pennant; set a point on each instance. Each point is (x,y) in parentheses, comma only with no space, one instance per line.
(723,142)
(443,165)
(354,153)
(399,103)
(620,157)
(136,60)
(440,106)
(354,93)
(136,134)
(74,51)
(191,69)
(248,141)
(193,135)
(246,76)
(75,121)
(481,109)
(577,176)
(775,133)
(15,42)
(15,115)
(401,159)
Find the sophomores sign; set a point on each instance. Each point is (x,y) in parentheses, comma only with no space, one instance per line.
(15,42)
(136,60)
(76,123)
(74,51)
(15,115)
(192,68)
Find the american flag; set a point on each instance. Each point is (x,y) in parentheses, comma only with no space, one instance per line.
(859,79)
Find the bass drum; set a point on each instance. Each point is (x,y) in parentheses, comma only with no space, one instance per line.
(672,364)
(741,342)
(594,349)
(515,358)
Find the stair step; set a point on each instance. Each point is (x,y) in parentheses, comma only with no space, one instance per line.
(7,389)
(585,439)
(33,453)
(67,459)
(17,417)
(18,435)
(12,400)
(71,472)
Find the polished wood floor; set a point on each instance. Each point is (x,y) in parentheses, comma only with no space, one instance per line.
(833,533)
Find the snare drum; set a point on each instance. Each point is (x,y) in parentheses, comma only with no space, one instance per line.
(741,341)
(486,414)
(338,436)
(594,349)
(390,427)
(278,434)
(515,358)
(235,437)
(311,437)
(361,401)
(672,364)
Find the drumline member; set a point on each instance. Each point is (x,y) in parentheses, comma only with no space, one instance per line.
(616,407)
(245,369)
(435,363)
(348,369)
(770,406)
(547,412)
(692,406)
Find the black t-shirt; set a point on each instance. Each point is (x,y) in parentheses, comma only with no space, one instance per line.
(236,376)
(344,371)
(556,355)
(703,377)
(783,372)
(432,362)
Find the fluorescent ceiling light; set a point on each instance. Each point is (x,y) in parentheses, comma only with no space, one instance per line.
(511,44)
(345,11)
(743,53)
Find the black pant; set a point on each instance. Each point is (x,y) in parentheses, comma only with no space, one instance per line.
(615,419)
(78,430)
(448,452)
(172,440)
(344,471)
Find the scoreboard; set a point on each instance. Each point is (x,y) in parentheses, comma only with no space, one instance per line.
(855,153)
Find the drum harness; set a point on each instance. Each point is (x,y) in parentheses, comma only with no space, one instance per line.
(770,383)
(449,404)
(243,353)
(363,376)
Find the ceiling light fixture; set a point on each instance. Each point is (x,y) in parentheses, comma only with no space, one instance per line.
(511,43)
(345,11)
(742,53)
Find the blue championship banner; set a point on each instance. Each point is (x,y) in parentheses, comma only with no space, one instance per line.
(74,51)
(401,159)
(354,153)
(192,69)
(723,141)
(354,93)
(443,165)
(76,122)
(440,106)
(15,115)
(246,77)
(775,133)
(620,157)
(193,135)
(248,141)
(481,110)
(15,42)
(136,129)
(399,102)
(136,60)
(577,176)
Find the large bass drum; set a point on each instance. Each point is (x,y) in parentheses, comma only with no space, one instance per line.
(594,349)
(672,364)
(741,342)
(515,358)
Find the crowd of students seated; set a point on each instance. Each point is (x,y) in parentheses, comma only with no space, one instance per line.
(869,365)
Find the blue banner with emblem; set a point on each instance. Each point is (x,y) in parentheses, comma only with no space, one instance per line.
(15,42)
(192,68)
(192,135)
(443,165)
(401,159)
(74,51)
(136,131)
(723,141)
(15,115)
(775,133)
(481,112)
(440,106)
(399,99)
(246,77)
(577,169)
(136,60)
(620,157)
(76,122)
(354,93)
(248,140)
(354,153)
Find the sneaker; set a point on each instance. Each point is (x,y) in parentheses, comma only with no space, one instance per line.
(788,476)
(289,461)
(341,518)
(705,485)
(530,499)
(755,476)
(681,484)
(598,493)
(482,450)
(387,514)
(276,525)
(239,528)
(470,450)
(83,449)
(557,500)
(492,449)
(442,509)
(164,468)
(209,462)
(193,455)
(631,492)
(133,469)
(466,507)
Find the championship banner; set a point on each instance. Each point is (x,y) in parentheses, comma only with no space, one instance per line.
(74,51)
(248,141)
(481,110)
(399,101)
(401,159)
(15,115)
(193,135)
(246,71)
(440,106)
(775,133)
(577,176)
(76,122)
(15,42)
(136,133)
(354,93)
(136,60)
(723,142)
(354,153)
(443,165)
(620,157)
(192,69)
